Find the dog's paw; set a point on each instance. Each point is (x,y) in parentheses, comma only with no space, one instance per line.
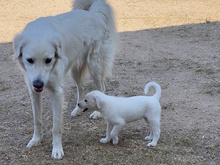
(105,140)
(76,112)
(35,141)
(57,152)
(95,115)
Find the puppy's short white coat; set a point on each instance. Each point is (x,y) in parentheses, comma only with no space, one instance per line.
(118,111)
(51,46)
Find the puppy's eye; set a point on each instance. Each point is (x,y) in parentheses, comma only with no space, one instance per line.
(30,60)
(48,60)
(86,100)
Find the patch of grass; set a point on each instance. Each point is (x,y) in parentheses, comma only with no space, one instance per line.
(210,92)
(212,88)
(213,149)
(207,21)
(168,106)
(185,141)
(208,71)
(4,86)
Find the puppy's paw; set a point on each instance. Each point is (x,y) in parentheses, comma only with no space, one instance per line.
(115,140)
(76,112)
(105,140)
(35,141)
(152,144)
(95,115)
(57,152)
(148,138)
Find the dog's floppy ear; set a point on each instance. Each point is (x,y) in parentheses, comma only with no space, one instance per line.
(98,101)
(57,43)
(18,43)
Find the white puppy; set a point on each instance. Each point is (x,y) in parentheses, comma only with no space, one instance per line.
(51,46)
(118,111)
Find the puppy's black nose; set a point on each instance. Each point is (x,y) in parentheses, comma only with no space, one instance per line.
(78,104)
(38,84)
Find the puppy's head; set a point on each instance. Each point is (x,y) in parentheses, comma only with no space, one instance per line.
(37,56)
(92,101)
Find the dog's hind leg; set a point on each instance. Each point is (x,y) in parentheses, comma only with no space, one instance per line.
(77,76)
(37,111)
(96,70)
(108,134)
(96,74)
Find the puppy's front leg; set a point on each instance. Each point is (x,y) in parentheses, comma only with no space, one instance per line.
(57,101)
(37,110)
(95,115)
(108,134)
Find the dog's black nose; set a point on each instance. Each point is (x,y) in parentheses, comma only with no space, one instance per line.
(38,84)
(78,104)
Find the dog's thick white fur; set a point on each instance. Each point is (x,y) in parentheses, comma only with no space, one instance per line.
(118,111)
(51,46)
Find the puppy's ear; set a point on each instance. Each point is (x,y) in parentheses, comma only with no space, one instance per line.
(57,43)
(18,43)
(98,101)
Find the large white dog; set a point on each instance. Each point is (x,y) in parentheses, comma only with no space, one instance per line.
(118,111)
(51,46)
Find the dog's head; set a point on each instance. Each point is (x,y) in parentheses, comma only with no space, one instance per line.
(92,101)
(37,56)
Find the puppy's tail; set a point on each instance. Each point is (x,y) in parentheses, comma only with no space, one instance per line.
(156,86)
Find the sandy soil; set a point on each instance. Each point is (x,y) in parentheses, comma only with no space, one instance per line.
(175,43)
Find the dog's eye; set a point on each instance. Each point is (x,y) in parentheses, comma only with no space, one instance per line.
(86,100)
(30,60)
(48,60)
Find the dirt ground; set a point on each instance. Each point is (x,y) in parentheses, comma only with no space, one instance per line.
(175,43)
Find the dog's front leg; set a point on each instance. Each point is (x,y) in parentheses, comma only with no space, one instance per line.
(108,134)
(57,102)
(80,92)
(37,110)
(77,76)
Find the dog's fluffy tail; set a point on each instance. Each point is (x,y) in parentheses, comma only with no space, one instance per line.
(109,45)
(82,4)
(103,8)
(156,86)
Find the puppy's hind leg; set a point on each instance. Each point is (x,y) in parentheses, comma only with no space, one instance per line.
(108,134)
(114,133)
(37,111)
(155,132)
(77,76)
(150,137)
